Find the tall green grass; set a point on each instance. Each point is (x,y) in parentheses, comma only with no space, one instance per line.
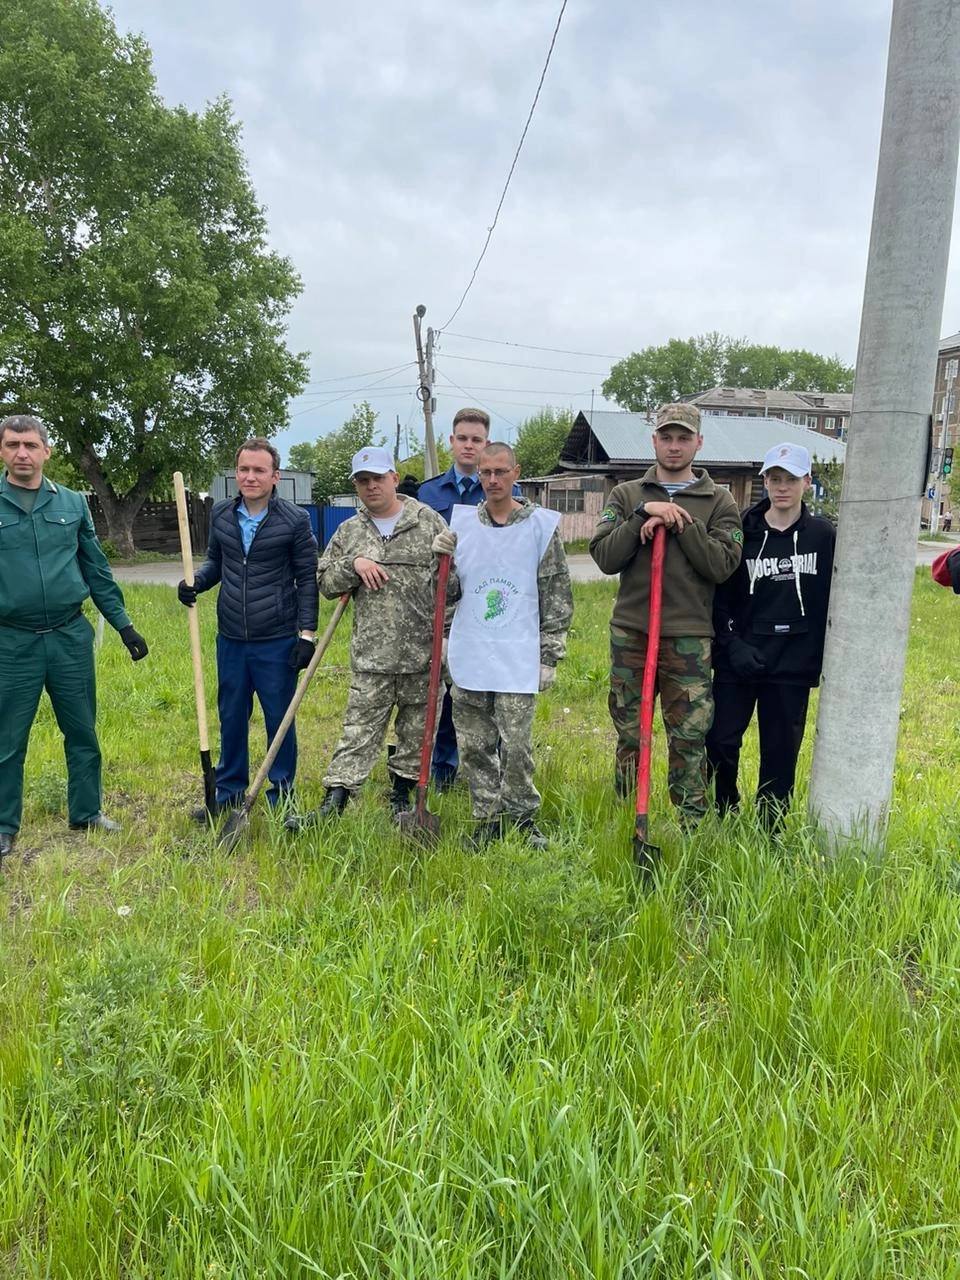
(343,1056)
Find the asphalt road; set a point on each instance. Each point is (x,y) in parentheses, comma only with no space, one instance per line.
(582,569)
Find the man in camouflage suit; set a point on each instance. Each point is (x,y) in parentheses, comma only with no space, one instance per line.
(387,555)
(508,634)
(704,542)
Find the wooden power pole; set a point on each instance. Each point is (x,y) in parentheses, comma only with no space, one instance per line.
(431,463)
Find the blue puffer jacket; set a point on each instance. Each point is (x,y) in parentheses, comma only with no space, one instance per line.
(272,591)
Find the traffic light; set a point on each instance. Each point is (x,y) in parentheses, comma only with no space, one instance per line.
(947,461)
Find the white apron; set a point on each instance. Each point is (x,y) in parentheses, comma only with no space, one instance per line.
(494,644)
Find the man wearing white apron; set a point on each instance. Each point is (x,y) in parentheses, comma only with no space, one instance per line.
(508,634)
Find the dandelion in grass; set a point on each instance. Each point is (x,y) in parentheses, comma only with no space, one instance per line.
(124,910)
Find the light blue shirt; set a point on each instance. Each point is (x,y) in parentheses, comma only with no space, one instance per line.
(248,525)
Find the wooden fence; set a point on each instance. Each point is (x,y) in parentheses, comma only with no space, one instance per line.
(156,528)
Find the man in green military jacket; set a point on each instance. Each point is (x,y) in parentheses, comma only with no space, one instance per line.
(50,562)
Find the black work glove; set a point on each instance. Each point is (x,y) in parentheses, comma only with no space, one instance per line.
(953,564)
(135,643)
(186,595)
(744,659)
(301,653)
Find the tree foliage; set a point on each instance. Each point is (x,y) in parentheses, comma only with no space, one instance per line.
(540,439)
(329,458)
(683,367)
(414,464)
(144,315)
(828,478)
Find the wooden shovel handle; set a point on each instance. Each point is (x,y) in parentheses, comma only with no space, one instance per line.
(193,620)
(291,711)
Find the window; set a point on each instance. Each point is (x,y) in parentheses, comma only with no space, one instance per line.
(566,500)
(951,372)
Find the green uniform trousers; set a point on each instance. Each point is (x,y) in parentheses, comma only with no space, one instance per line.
(60,661)
(685,685)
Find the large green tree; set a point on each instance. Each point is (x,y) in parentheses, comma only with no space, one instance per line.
(540,439)
(329,458)
(683,367)
(144,315)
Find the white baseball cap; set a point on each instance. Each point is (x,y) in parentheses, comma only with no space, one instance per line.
(794,458)
(374,459)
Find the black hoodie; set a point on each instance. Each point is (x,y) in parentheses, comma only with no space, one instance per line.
(777,599)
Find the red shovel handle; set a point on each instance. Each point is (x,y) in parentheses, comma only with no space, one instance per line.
(648,689)
(426,751)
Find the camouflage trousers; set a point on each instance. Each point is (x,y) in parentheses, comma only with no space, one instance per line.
(686,704)
(500,781)
(372,699)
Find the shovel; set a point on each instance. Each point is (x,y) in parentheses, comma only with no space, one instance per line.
(419,822)
(646,856)
(237,822)
(186,554)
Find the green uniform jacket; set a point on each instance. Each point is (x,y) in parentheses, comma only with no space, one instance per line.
(705,554)
(393,626)
(51,560)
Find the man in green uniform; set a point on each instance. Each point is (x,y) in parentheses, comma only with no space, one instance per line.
(50,561)
(704,543)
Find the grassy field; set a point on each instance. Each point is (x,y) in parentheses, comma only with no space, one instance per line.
(342,1057)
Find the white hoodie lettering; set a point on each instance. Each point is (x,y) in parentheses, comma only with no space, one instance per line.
(781,568)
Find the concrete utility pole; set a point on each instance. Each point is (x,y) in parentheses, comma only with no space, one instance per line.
(884,478)
(430,464)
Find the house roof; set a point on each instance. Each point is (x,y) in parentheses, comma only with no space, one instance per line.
(728,440)
(770,400)
(950,343)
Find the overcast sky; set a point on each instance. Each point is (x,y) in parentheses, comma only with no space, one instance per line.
(690,167)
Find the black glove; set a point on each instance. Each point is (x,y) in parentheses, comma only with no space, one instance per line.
(953,564)
(186,595)
(744,659)
(301,653)
(135,643)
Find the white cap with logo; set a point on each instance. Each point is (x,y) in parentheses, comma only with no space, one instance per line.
(374,459)
(794,458)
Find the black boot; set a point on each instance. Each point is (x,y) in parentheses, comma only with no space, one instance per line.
(334,802)
(534,837)
(202,815)
(486,833)
(7,841)
(400,794)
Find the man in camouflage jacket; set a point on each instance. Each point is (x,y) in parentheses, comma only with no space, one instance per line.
(387,556)
(704,544)
(493,717)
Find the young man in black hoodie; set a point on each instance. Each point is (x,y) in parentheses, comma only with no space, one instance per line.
(770,619)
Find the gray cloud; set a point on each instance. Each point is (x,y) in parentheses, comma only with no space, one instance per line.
(699,167)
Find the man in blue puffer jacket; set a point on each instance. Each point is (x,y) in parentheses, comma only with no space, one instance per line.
(264,555)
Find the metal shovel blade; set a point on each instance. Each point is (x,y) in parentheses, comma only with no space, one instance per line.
(419,823)
(646,856)
(231,833)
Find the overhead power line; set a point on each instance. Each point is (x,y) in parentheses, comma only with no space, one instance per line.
(512,364)
(516,157)
(519,404)
(528,346)
(372,395)
(469,395)
(349,377)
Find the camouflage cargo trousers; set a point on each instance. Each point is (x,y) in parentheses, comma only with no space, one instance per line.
(372,699)
(500,781)
(684,684)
